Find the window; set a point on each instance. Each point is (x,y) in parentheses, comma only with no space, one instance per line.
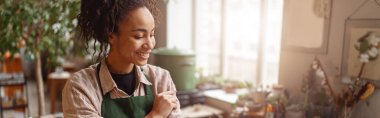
(239,39)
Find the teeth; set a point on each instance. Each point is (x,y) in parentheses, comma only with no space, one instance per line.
(143,54)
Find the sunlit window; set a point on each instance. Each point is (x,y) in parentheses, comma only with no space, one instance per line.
(239,39)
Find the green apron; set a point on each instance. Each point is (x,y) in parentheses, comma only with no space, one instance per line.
(131,107)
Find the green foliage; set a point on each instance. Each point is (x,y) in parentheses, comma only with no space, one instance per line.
(363,46)
(44,25)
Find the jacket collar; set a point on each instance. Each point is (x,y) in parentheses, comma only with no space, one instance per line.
(108,84)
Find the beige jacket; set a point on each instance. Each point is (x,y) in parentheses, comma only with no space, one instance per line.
(82,97)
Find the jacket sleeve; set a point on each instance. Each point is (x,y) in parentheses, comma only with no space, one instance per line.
(176,113)
(76,103)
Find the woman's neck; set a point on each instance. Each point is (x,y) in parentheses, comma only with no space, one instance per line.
(117,65)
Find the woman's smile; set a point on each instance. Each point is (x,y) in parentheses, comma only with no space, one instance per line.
(143,55)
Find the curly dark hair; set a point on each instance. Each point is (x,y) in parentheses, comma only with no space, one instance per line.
(99,18)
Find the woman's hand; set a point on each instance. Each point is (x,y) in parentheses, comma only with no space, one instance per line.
(163,104)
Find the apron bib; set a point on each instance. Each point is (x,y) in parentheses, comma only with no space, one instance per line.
(131,107)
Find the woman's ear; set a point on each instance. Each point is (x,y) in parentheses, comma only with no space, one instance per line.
(112,38)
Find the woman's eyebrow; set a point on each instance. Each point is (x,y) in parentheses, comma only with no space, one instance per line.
(140,30)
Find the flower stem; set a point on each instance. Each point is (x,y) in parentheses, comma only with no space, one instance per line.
(361,70)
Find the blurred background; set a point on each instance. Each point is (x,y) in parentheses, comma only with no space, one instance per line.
(227,58)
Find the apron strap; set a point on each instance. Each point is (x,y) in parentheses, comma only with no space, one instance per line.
(148,89)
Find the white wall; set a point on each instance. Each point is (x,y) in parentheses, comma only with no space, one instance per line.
(293,65)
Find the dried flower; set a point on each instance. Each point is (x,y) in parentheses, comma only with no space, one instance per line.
(373,52)
(364,58)
(374,39)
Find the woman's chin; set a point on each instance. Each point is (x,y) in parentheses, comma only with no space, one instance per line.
(141,63)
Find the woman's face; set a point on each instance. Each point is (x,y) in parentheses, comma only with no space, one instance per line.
(135,39)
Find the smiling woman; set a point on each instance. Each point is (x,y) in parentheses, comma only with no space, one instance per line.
(134,42)
(122,84)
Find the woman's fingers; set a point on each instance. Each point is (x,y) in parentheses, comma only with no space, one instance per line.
(170,97)
(165,102)
(175,101)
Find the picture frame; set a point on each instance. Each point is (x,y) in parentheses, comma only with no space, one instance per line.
(354,29)
(306,26)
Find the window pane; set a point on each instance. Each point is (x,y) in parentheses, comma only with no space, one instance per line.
(242,28)
(241,69)
(179,24)
(207,29)
(235,27)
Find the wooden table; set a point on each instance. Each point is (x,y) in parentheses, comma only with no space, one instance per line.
(56,81)
(201,111)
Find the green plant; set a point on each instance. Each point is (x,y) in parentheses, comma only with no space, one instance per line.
(38,26)
(43,25)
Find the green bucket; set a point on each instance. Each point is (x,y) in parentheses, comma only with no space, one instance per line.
(180,64)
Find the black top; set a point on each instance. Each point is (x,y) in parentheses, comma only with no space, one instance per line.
(125,82)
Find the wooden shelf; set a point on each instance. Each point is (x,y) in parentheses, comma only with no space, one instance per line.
(14,82)
(14,107)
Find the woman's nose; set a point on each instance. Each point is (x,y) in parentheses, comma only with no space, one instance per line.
(149,44)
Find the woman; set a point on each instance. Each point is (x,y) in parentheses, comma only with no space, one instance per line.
(122,84)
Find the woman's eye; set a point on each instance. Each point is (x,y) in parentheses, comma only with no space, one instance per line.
(138,37)
(153,35)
